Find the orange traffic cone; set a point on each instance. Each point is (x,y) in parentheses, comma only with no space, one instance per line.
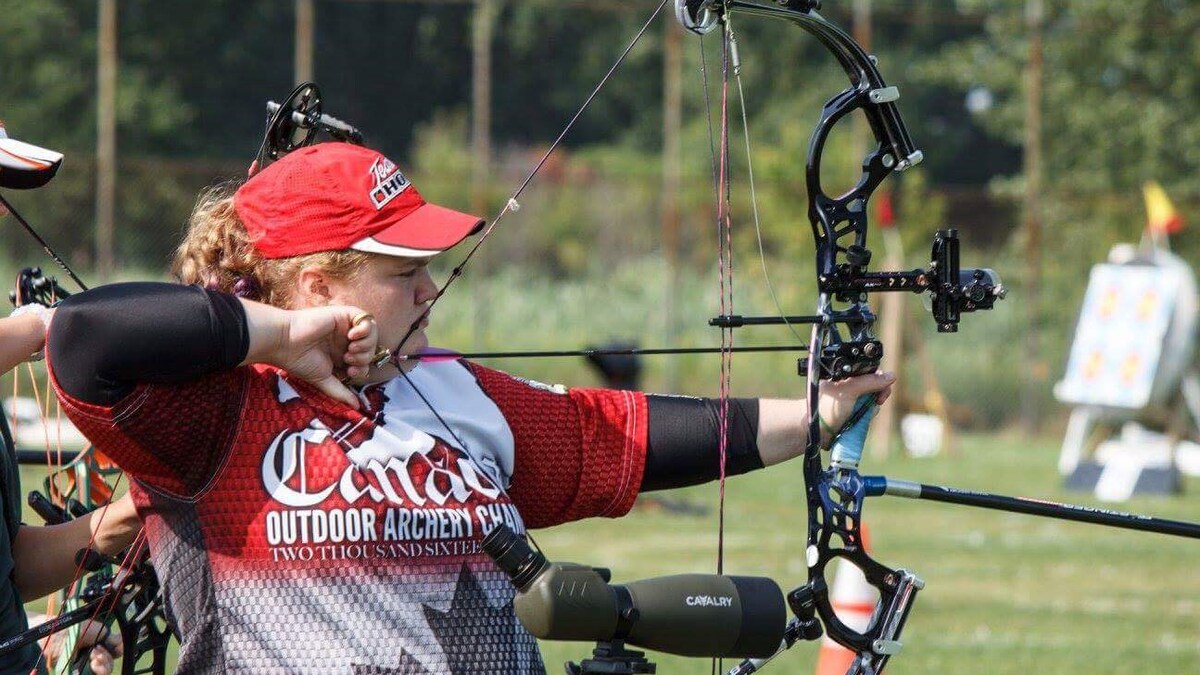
(853,601)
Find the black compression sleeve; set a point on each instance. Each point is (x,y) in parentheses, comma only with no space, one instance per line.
(106,341)
(684,445)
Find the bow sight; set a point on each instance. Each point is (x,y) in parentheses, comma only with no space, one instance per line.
(294,124)
(954,291)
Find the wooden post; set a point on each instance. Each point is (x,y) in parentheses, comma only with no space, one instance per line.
(106,137)
(891,305)
(1035,376)
(671,179)
(481,103)
(302,59)
(481,141)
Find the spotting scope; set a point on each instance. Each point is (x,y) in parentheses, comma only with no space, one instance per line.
(701,615)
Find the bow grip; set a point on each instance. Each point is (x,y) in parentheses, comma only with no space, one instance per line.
(847,448)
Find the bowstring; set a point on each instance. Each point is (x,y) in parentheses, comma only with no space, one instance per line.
(725,289)
(731,57)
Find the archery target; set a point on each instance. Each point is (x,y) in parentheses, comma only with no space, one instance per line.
(1119,339)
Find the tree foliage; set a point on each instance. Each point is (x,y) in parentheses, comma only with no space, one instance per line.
(1121,95)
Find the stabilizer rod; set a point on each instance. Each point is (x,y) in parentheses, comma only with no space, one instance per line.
(882,485)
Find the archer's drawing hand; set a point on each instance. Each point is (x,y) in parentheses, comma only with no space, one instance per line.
(837,399)
(321,345)
(329,344)
(105,645)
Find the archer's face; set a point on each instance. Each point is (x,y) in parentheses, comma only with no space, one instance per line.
(397,291)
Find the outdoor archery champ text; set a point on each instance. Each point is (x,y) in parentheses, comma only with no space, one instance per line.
(338,534)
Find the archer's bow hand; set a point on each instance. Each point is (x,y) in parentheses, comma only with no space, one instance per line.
(838,398)
(783,424)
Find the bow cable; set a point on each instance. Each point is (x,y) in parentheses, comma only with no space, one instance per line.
(762,255)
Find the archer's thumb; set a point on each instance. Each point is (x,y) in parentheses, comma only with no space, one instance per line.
(866,384)
(334,388)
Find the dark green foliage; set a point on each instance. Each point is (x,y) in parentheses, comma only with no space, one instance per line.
(1121,105)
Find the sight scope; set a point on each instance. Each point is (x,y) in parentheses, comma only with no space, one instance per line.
(701,615)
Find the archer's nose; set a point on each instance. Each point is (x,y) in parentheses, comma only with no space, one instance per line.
(426,289)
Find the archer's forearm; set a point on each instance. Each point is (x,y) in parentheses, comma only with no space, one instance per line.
(685,438)
(44,557)
(106,341)
(20,336)
(782,429)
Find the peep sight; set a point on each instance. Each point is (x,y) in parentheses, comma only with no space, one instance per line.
(700,615)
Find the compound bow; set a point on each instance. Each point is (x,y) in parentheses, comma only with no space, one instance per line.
(835,493)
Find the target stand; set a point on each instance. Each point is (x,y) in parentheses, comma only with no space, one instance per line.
(1131,378)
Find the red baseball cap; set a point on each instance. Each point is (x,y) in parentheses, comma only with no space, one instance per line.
(335,196)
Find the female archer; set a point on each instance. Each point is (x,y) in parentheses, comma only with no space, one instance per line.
(313,499)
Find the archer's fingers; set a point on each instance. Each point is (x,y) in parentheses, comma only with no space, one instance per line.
(866,384)
(94,633)
(114,645)
(363,339)
(360,352)
(100,661)
(362,324)
(358,359)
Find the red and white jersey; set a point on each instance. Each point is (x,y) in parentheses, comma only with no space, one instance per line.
(296,535)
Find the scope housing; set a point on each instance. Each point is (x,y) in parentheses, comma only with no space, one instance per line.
(699,615)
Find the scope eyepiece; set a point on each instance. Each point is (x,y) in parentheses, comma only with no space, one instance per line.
(512,554)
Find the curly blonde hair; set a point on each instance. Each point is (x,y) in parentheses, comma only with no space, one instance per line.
(218,253)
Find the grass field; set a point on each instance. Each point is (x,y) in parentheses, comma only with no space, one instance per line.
(1005,593)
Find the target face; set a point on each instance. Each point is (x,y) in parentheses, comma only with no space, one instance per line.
(1119,340)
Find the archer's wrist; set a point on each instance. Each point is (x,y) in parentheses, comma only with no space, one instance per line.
(115,526)
(269,329)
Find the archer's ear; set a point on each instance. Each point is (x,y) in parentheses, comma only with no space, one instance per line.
(312,288)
